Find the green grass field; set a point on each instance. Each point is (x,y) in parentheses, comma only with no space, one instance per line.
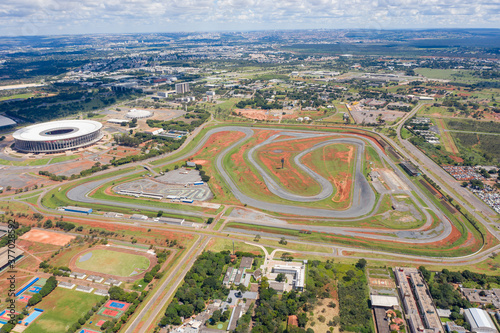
(63,308)
(5,98)
(454,75)
(65,158)
(114,263)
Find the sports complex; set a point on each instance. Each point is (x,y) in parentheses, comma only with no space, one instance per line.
(57,136)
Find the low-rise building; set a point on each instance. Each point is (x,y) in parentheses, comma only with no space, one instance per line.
(479,321)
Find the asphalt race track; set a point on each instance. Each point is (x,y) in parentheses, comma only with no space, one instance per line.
(364,203)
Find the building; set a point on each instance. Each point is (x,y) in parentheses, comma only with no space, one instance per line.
(483,297)
(414,294)
(57,136)
(6,122)
(451,326)
(386,302)
(77,275)
(138,217)
(74,209)
(154,131)
(410,168)
(9,256)
(170,220)
(181,88)
(117,121)
(479,320)
(298,273)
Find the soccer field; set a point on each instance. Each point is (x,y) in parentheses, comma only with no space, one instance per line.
(112,262)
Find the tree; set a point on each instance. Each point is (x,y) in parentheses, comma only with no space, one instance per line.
(47,224)
(216,316)
(361,264)
(425,273)
(283,241)
(281,277)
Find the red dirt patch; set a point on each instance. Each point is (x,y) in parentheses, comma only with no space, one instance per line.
(111,313)
(456,158)
(47,237)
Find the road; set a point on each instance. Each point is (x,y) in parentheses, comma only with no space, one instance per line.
(362,206)
(440,176)
(194,252)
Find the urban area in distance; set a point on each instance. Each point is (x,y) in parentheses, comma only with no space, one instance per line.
(293,181)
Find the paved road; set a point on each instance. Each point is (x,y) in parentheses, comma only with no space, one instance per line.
(159,290)
(80,193)
(363,194)
(364,197)
(363,201)
(471,132)
(442,178)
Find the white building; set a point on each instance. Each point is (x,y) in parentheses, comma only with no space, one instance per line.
(480,321)
(298,273)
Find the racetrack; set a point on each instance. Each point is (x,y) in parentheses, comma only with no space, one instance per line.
(364,203)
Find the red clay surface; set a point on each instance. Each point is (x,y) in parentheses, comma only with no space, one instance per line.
(247,176)
(214,145)
(47,237)
(100,323)
(341,180)
(291,177)
(111,313)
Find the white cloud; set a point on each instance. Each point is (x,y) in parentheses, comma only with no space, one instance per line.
(52,16)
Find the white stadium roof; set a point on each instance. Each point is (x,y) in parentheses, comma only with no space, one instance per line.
(4,121)
(57,130)
(135,113)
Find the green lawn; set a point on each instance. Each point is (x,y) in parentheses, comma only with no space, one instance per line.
(5,98)
(114,263)
(63,158)
(62,308)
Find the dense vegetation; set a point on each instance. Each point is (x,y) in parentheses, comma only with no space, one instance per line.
(48,287)
(163,145)
(69,100)
(272,310)
(198,116)
(202,282)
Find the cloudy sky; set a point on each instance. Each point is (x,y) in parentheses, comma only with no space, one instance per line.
(39,17)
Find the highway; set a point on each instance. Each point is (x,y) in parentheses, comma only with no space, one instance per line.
(193,252)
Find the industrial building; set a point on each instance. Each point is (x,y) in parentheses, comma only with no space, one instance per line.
(410,169)
(75,209)
(78,209)
(181,88)
(57,136)
(9,256)
(479,320)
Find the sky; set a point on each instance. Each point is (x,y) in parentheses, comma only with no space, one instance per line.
(55,17)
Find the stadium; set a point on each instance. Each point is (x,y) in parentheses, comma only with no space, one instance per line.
(57,136)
